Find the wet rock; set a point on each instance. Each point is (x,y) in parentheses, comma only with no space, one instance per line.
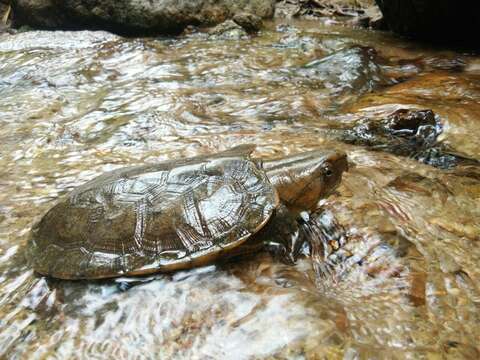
(407,123)
(453,96)
(250,22)
(134,17)
(5,18)
(228,30)
(321,8)
(5,29)
(377,22)
(237,28)
(403,132)
(351,69)
(412,133)
(438,157)
(436,20)
(294,39)
(372,18)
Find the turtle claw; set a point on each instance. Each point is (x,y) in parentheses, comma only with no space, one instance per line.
(126,283)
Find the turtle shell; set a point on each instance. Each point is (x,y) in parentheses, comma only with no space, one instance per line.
(162,217)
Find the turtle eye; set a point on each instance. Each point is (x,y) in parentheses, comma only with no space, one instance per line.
(328,171)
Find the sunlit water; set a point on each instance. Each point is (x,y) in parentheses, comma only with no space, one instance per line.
(404,285)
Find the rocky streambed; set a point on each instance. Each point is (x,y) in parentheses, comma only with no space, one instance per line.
(398,276)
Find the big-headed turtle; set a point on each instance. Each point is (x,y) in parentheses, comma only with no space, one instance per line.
(180,214)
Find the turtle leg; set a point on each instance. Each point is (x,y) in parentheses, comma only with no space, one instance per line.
(284,237)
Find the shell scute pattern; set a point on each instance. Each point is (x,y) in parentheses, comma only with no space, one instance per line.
(140,219)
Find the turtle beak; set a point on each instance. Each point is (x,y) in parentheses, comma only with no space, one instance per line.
(340,161)
(344,162)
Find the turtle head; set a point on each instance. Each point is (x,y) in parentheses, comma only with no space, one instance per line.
(303,179)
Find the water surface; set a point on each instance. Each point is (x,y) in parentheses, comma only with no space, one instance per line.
(404,282)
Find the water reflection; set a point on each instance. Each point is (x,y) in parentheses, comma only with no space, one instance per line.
(73,105)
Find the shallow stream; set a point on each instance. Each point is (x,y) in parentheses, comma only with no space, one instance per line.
(406,284)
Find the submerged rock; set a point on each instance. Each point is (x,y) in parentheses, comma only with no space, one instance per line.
(412,133)
(134,17)
(250,22)
(352,69)
(228,30)
(436,20)
(452,95)
(404,132)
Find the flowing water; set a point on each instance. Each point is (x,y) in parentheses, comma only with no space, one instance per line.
(404,282)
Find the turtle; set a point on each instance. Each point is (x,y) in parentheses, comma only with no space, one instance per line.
(183,213)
